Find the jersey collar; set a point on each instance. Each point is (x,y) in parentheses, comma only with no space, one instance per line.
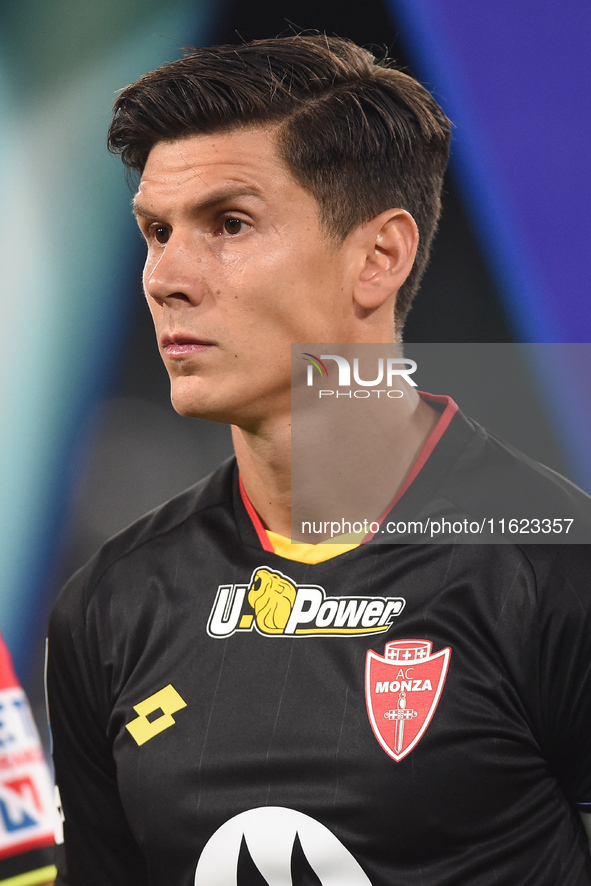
(318,553)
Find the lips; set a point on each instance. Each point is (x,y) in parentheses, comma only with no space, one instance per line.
(180,344)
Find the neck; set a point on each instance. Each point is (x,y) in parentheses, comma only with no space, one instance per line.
(264,461)
(337,476)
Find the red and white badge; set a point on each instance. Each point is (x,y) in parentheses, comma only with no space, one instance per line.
(402,690)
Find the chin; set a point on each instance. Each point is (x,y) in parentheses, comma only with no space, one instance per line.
(192,407)
(191,401)
(187,398)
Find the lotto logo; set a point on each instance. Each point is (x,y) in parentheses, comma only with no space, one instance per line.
(276,606)
(155,714)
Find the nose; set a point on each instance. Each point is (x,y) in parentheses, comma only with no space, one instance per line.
(174,274)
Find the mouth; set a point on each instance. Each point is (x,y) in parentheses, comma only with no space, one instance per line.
(180,344)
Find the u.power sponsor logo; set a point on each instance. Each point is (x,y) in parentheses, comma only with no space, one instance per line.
(274,605)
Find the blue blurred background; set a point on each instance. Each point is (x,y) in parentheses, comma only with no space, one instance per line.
(89,441)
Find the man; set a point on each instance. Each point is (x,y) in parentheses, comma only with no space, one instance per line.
(230,708)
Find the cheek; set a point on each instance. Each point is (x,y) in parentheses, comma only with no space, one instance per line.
(153,258)
(155,309)
(148,271)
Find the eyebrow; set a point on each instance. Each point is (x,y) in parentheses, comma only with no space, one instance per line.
(210,202)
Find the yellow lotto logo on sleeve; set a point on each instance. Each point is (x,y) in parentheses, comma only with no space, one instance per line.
(164,703)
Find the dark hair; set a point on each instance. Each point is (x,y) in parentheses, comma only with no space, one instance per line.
(360,136)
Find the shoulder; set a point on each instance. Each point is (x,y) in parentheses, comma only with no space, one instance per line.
(146,538)
(490,460)
(561,574)
(495,480)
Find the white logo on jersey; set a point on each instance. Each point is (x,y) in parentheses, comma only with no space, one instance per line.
(276,606)
(279,847)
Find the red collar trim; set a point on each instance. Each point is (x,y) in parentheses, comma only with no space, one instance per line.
(256,520)
(451,407)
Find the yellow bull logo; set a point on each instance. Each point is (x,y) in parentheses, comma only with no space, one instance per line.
(272,596)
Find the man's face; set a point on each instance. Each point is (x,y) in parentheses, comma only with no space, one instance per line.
(238,268)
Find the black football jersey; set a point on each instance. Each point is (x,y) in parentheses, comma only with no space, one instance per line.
(398,715)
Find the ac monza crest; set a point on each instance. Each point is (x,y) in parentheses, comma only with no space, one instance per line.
(402,690)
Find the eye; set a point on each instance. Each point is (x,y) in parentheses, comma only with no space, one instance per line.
(234,225)
(161,233)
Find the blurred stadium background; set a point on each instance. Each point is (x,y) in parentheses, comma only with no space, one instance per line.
(89,441)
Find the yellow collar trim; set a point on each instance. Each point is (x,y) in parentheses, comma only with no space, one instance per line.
(312,554)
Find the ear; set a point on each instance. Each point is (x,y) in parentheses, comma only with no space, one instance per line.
(388,246)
